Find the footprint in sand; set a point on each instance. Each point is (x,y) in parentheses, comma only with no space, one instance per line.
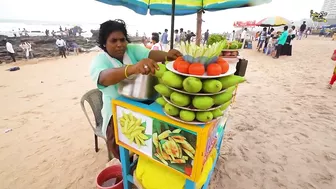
(306,185)
(329,156)
(242,150)
(325,178)
(31,112)
(32,95)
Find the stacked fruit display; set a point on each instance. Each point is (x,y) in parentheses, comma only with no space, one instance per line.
(194,100)
(231,49)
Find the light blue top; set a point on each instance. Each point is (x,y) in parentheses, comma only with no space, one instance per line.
(283,38)
(103,61)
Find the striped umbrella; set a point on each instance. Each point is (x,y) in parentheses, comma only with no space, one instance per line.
(182,7)
(273,21)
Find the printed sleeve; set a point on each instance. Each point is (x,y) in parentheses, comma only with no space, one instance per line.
(99,63)
(139,52)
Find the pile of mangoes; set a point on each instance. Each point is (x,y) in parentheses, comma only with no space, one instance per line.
(191,106)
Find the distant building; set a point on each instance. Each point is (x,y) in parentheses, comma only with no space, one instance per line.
(329,6)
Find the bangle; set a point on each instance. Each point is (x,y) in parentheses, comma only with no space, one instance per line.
(166,59)
(126,71)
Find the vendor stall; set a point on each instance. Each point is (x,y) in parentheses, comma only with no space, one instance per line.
(182,130)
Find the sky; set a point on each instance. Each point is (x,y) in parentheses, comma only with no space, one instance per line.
(92,11)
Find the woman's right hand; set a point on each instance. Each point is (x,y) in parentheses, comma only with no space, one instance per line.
(144,67)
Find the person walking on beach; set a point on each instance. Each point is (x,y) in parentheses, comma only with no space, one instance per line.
(233,35)
(164,40)
(25,47)
(263,36)
(75,47)
(10,50)
(206,37)
(281,42)
(302,30)
(177,38)
(183,36)
(61,46)
(243,35)
(333,77)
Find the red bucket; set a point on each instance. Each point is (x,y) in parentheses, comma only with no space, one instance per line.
(110,178)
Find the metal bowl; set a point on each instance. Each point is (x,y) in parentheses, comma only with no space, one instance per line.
(139,87)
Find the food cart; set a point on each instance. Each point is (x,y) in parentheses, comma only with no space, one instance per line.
(176,141)
(202,138)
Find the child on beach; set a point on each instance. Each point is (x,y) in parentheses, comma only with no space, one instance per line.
(333,77)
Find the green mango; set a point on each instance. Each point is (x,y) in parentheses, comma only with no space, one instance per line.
(171,110)
(180,99)
(231,80)
(202,102)
(225,105)
(204,116)
(173,80)
(231,89)
(217,113)
(162,69)
(161,101)
(192,84)
(186,115)
(222,98)
(212,86)
(163,90)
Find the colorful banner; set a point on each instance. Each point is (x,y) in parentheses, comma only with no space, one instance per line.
(244,24)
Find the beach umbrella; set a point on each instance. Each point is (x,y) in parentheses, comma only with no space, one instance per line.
(181,8)
(273,21)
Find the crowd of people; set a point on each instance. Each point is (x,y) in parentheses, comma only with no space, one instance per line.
(63,46)
(161,41)
(279,43)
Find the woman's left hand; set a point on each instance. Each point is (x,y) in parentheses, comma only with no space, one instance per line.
(173,54)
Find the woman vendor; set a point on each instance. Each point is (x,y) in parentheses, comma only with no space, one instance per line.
(120,60)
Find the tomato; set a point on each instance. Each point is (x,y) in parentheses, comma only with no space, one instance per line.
(196,69)
(177,61)
(214,69)
(183,67)
(224,65)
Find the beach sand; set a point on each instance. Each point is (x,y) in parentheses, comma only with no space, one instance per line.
(281,133)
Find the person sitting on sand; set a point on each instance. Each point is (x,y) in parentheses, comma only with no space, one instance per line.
(119,61)
(333,77)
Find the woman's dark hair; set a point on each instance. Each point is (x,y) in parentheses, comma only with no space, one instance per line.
(107,28)
(155,38)
(155,34)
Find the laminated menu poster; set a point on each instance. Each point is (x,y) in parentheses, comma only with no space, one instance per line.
(135,130)
(173,146)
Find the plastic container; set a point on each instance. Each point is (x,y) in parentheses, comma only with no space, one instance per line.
(110,178)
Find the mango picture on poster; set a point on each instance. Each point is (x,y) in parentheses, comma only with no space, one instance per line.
(133,128)
(173,147)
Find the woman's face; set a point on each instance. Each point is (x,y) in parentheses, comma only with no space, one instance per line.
(116,44)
